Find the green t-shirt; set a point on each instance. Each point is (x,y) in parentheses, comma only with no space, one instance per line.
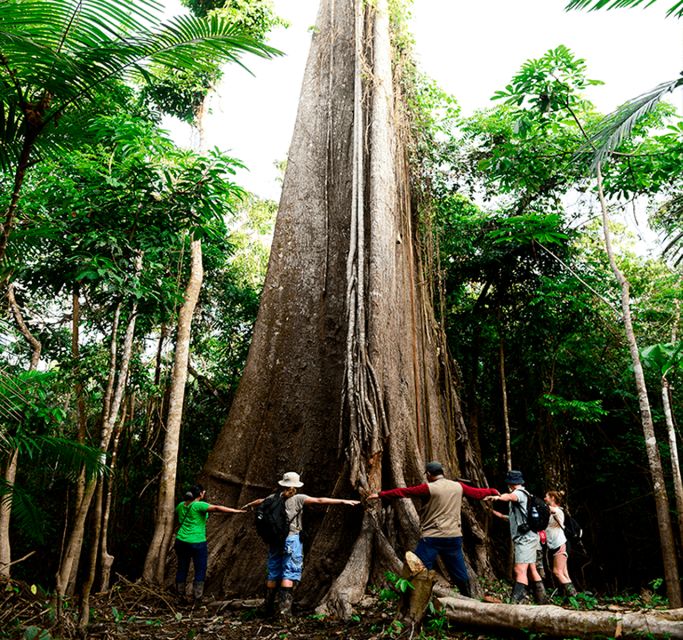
(192,518)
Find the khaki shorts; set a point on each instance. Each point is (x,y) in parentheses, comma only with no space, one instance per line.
(525,549)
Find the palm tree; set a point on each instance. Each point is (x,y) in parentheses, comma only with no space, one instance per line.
(617,126)
(675,10)
(56,54)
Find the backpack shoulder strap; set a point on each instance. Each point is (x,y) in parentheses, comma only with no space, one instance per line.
(295,515)
(516,502)
(187,513)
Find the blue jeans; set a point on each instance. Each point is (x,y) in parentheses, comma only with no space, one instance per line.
(450,550)
(287,563)
(198,552)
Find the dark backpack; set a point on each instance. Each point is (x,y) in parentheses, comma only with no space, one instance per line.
(572,530)
(271,520)
(537,513)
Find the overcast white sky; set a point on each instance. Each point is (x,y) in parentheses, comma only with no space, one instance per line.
(472,48)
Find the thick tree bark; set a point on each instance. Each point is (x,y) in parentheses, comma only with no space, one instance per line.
(666,538)
(345,375)
(563,623)
(156,555)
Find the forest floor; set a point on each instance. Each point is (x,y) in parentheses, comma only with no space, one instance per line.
(134,611)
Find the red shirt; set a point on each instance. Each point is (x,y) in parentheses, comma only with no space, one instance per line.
(422,491)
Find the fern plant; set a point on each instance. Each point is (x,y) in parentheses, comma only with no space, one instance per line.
(55,55)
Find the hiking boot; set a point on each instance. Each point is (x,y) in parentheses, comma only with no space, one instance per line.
(197,592)
(465,588)
(180,592)
(518,593)
(286,598)
(569,590)
(269,602)
(540,596)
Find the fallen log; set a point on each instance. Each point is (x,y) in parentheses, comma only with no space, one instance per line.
(559,622)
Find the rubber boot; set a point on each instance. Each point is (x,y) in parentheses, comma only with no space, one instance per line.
(569,590)
(286,598)
(518,593)
(197,592)
(539,593)
(269,602)
(180,592)
(465,588)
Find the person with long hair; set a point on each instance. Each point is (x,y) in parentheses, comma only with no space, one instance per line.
(190,543)
(557,542)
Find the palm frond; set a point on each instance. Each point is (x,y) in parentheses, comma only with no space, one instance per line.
(669,219)
(62,50)
(12,398)
(593,5)
(69,457)
(616,127)
(54,54)
(26,514)
(56,22)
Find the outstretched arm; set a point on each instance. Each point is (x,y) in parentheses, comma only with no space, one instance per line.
(418,491)
(506,497)
(477,493)
(253,503)
(222,509)
(348,503)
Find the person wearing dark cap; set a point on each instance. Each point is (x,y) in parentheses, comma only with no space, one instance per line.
(190,543)
(525,542)
(286,564)
(440,520)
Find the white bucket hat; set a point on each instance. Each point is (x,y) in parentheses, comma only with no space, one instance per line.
(290,479)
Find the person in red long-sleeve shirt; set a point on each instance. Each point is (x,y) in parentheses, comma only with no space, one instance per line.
(441,529)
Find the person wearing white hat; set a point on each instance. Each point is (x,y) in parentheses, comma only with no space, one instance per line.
(286,564)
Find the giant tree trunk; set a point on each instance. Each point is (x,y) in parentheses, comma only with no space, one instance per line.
(666,538)
(163,530)
(345,375)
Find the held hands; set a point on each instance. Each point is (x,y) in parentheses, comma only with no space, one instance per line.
(252,504)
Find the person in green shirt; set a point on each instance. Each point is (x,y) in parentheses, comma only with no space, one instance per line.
(190,542)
